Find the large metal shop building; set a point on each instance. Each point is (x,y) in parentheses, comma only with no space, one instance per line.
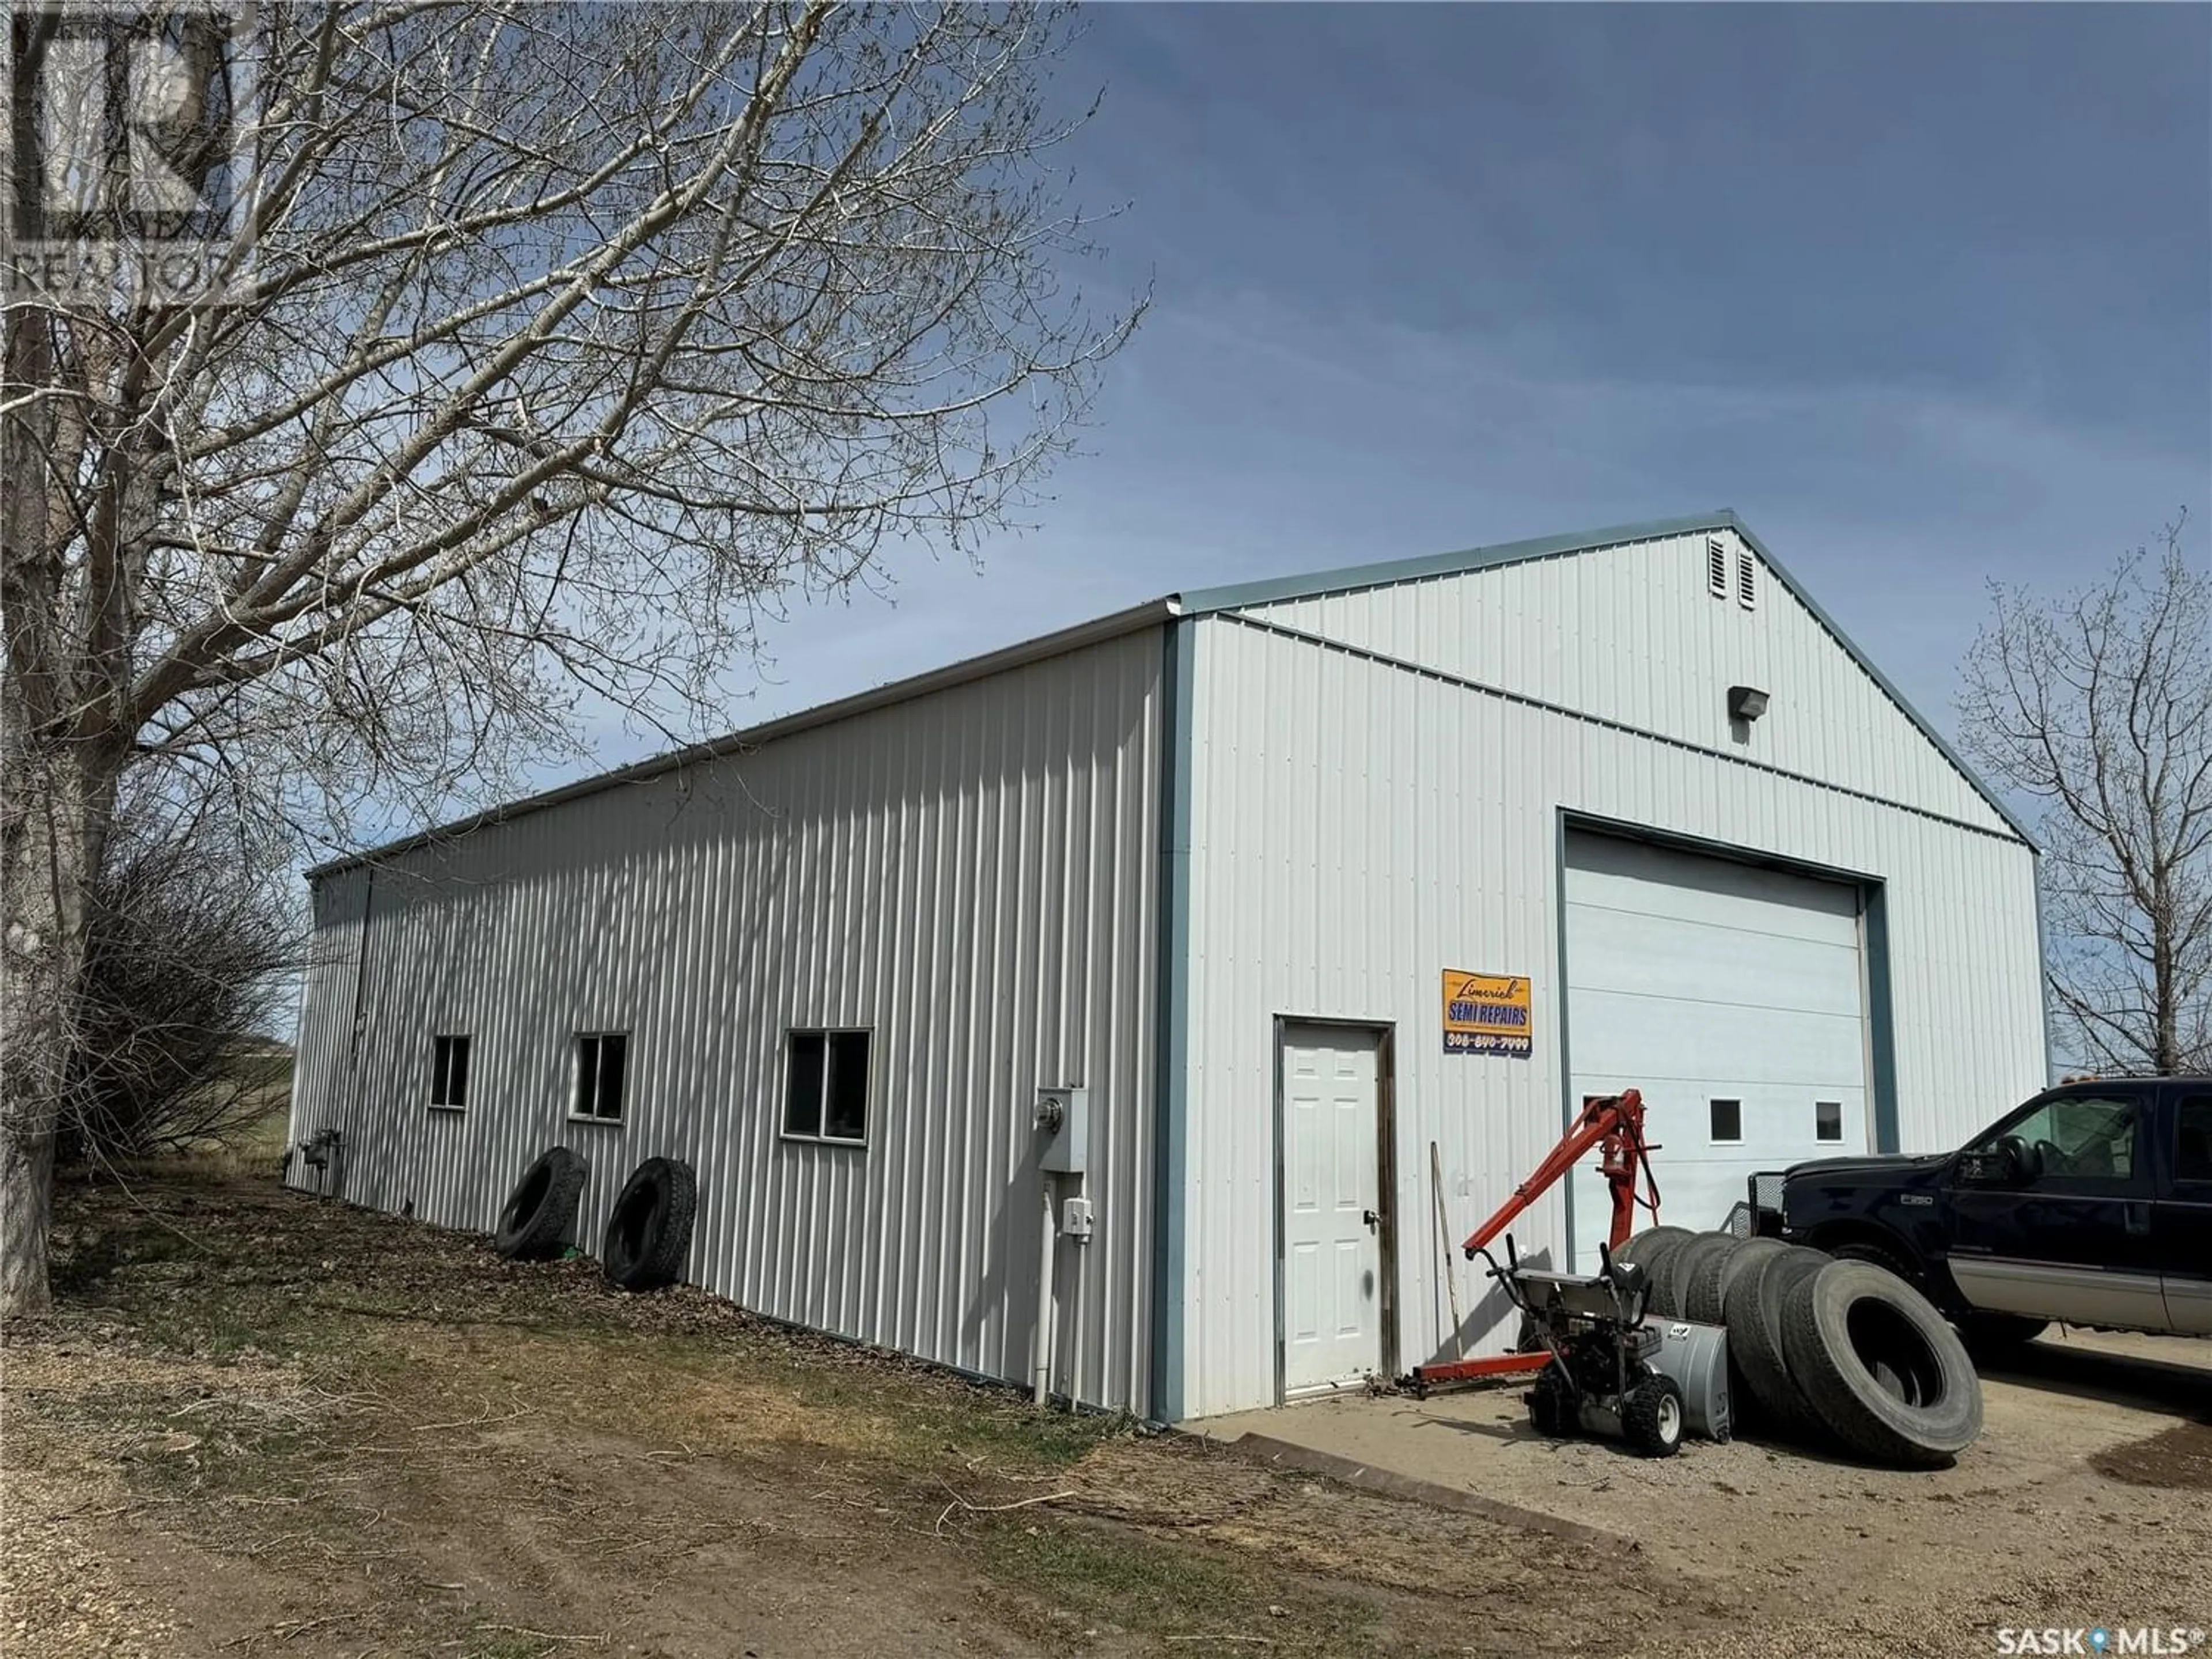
(1289,880)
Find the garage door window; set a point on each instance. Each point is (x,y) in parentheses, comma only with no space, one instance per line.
(1727,1122)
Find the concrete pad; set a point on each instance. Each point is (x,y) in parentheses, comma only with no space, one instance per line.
(1717,1509)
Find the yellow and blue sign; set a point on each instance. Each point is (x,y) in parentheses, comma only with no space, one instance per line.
(1487,1014)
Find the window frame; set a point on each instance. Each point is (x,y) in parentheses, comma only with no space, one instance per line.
(597,1039)
(2139,1102)
(444,1045)
(1835,1139)
(828,1034)
(1713,1138)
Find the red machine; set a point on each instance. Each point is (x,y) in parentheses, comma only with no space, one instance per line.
(1614,1124)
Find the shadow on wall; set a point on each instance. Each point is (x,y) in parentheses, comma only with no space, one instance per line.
(1493,1311)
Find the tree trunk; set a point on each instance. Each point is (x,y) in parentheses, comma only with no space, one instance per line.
(48,841)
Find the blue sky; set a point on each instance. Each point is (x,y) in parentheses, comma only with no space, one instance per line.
(1924,292)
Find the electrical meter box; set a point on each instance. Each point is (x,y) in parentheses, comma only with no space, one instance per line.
(1063,1118)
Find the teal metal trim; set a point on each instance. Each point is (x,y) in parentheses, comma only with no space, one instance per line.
(1171,1041)
(1881,1030)
(1352,578)
(2042,978)
(1567,1104)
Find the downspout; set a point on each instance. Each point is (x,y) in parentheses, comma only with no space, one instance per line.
(1041,1357)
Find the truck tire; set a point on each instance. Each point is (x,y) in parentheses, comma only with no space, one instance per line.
(1756,1360)
(1653,1249)
(1698,1273)
(1879,1367)
(649,1230)
(1651,1416)
(1997,1338)
(540,1210)
(1888,1259)
(1745,1255)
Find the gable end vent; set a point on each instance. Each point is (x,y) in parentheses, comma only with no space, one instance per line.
(1747,581)
(1716,568)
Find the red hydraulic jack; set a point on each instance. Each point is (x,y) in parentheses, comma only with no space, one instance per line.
(1614,1123)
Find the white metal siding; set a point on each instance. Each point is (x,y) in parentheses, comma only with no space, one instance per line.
(1357,828)
(970,874)
(1633,632)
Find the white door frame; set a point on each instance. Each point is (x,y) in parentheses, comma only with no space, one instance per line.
(1384,1036)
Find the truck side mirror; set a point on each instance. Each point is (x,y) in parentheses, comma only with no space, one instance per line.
(2019,1163)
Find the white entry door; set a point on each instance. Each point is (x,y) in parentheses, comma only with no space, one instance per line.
(1731,996)
(1331,1227)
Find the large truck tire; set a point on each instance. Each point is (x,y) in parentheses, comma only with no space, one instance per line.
(649,1231)
(539,1212)
(1701,1264)
(1879,1367)
(1752,1314)
(1654,1250)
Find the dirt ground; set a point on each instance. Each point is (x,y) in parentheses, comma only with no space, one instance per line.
(2086,1501)
(259,1424)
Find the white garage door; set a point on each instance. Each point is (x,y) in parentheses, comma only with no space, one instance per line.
(1731,996)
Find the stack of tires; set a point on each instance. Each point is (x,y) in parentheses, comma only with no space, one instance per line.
(1818,1348)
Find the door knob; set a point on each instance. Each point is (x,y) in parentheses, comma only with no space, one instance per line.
(1370,1219)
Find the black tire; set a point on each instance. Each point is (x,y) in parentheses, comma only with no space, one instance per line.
(1651,1416)
(649,1230)
(1699,1270)
(1653,1249)
(1756,1356)
(1552,1410)
(1879,1367)
(1997,1338)
(541,1210)
(1745,1255)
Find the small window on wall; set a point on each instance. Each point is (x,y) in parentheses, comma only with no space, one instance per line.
(1727,1121)
(449,1072)
(1827,1119)
(826,1085)
(602,1075)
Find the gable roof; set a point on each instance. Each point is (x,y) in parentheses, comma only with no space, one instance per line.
(1352,578)
(1197,603)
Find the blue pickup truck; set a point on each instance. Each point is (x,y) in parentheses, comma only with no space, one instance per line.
(2092,1203)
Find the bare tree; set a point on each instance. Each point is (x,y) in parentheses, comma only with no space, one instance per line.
(2100,705)
(190,947)
(566,338)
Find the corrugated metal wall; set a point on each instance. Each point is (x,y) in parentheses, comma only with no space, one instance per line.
(1358,826)
(971,874)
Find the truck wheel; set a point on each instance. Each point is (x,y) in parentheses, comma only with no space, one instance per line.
(1879,1367)
(1997,1337)
(1651,1416)
(1882,1256)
